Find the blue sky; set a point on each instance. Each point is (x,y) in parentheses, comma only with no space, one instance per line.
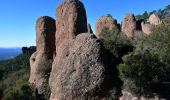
(17,18)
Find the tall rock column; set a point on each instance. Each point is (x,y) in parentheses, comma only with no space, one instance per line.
(81,69)
(129,25)
(45,42)
(71,20)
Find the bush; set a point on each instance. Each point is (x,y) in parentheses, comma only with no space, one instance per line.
(22,91)
(116,42)
(140,71)
(117,45)
(45,70)
(147,67)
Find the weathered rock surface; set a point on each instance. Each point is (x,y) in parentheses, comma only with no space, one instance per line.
(45,41)
(146,28)
(105,22)
(89,29)
(81,68)
(129,25)
(129,96)
(71,20)
(154,19)
(138,35)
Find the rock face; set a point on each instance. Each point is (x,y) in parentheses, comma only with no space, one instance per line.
(105,22)
(146,28)
(129,25)
(89,28)
(154,19)
(71,20)
(81,68)
(138,35)
(45,41)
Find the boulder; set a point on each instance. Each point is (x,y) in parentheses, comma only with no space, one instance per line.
(45,41)
(81,69)
(146,28)
(89,28)
(154,19)
(129,25)
(105,22)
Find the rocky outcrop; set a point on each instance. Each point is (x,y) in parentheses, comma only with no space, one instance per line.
(81,68)
(138,35)
(89,30)
(105,22)
(71,20)
(45,41)
(146,28)
(129,25)
(154,19)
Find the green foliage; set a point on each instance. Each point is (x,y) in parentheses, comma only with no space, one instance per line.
(148,65)
(22,91)
(14,78)
(117,45)
(115,41)
(142,70)
(109,15)
(162,13)
(45,70)
(144,16)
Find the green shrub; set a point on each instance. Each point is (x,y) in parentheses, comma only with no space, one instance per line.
(140,71)
(22,91)
(45,70)
(148,66)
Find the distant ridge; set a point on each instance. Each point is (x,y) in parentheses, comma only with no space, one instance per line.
(9,52)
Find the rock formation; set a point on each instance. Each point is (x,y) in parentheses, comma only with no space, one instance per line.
(138,35)
(81,68)
(146,28)
(45,41)
(70,21)
(129,25)
(89,30)
(105,22)
(154,19)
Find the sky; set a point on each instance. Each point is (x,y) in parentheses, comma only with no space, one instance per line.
(18,17)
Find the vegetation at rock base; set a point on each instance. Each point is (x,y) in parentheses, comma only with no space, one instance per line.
(145,71)
(117,44)
(45,70)
(143,63)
